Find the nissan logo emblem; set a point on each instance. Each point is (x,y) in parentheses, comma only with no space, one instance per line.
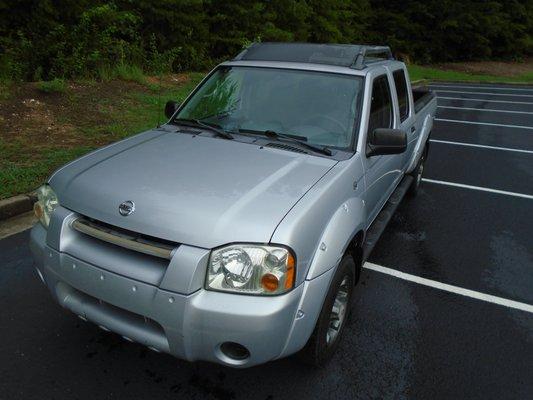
(126,208)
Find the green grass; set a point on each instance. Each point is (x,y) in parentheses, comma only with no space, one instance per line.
(16,178)
(124,72)
(418,72)
(4,90)
(136,110)
(53,86)
(146,108)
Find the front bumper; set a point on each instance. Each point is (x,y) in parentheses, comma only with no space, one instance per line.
(189,326)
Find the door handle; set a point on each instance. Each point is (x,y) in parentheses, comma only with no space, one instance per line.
(413,129)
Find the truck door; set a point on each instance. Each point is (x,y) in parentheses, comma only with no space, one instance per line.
(382,172)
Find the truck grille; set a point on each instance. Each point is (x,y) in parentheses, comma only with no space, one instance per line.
(124,238)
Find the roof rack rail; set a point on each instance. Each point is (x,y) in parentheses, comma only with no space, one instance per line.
(345,55)
(370,54)
(244,51)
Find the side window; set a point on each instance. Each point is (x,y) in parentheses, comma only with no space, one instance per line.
(381,114)
(400,81)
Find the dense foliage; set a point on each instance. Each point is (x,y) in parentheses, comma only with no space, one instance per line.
(43,39)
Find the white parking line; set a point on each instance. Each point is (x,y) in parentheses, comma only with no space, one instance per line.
(450,288)
(482,146)
(485,93)
(485,100)
(486,109)
(483,123)
(483,189)
(482,87)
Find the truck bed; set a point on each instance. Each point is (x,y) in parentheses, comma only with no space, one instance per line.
(422,96)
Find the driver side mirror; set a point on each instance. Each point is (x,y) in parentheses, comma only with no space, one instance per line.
(170,108)
(386,141)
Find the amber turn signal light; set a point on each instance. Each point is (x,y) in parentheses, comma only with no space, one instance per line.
(38,210)
(270,282)
(290,276)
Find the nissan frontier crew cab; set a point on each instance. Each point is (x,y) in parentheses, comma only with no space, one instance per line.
(235,233)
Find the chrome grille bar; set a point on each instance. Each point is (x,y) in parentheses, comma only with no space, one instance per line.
(107,235)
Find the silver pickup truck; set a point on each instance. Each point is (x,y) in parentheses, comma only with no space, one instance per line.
(236,232)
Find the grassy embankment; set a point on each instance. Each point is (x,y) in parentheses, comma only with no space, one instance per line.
(417,72)
(44,125)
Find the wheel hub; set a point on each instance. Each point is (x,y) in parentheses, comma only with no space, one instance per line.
(338,311)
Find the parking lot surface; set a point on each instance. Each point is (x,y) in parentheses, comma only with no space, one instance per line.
(449,316)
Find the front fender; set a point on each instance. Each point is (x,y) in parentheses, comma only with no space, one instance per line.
(331,212)
(345,223)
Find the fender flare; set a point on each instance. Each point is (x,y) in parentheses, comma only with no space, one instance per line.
(342,228)
(338,235)
(419,148)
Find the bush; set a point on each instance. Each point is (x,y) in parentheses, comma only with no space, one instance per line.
(54,86)
(125,72)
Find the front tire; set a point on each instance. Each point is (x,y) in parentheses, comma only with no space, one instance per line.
(333,317)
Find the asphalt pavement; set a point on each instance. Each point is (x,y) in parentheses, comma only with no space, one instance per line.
(469,233)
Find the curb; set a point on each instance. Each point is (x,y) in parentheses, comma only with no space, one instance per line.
(16,205)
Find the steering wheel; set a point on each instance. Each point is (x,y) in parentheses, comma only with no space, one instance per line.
(341,127)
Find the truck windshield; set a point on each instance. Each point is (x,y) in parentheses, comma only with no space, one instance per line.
(322,108)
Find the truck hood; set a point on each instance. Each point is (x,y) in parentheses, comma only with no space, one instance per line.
(200,191)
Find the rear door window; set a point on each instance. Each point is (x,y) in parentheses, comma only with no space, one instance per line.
(381,113)
(400,81)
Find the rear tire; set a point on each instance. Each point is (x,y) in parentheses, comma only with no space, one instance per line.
(417,175)
(333,317)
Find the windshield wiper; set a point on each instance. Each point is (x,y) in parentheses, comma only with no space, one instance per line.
(301,140)
(209,126)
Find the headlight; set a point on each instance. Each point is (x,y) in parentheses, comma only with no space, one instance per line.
(46,203)
(251,269)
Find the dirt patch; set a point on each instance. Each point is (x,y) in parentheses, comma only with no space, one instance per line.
(31,116)
(169,80)
(495,68)
(39,119)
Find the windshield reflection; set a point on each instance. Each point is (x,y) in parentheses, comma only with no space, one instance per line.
(322,107)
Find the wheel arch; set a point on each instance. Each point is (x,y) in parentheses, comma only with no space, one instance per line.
(355,250)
